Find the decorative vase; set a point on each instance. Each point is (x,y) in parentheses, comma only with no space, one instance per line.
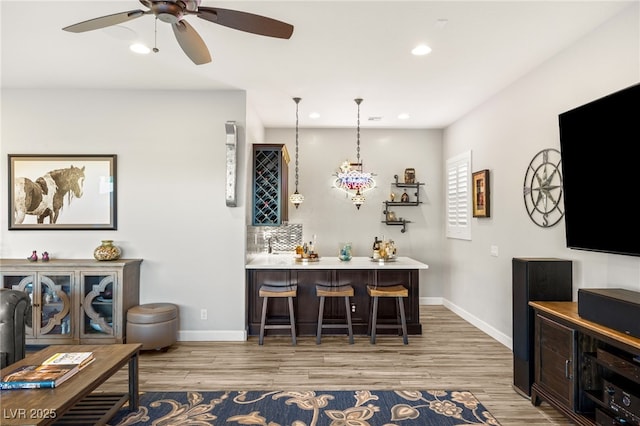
(107,251)
(345,252)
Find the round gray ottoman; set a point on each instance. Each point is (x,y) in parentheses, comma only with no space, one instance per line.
(154,325)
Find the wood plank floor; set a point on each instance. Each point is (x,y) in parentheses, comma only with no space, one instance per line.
(450,355)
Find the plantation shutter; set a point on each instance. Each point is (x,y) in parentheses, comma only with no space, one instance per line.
(458,196)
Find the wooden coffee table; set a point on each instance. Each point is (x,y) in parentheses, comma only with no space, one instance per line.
(73,401)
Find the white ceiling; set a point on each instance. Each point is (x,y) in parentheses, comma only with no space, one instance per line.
(340,50)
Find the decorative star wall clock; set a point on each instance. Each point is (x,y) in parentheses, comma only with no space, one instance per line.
(543,188)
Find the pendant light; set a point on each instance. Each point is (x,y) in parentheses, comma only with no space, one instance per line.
(351,176)
(296,198)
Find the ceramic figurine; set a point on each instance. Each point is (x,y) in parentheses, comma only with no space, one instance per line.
(404,198)
(33,257)
(392,197)
(45,256)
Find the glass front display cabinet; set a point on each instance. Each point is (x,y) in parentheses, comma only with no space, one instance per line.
(75,301)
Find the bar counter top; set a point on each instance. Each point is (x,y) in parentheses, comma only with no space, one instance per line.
(288,261)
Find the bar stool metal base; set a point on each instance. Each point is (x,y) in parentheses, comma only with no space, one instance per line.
(345,291)
(267,291)
(397,291)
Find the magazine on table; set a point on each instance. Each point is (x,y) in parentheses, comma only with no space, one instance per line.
(69,358)
(50,374)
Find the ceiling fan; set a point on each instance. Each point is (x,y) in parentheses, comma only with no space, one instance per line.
(173,12)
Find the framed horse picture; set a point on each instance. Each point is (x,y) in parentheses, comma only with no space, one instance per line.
(62,192)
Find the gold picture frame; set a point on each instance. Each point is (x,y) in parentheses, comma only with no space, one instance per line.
(481,200)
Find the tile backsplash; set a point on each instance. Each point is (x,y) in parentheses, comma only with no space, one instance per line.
(283,238)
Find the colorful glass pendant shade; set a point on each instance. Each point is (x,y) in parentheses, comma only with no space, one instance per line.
(351,178)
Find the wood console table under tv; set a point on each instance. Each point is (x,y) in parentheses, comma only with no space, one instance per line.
(358,272)
(589,372)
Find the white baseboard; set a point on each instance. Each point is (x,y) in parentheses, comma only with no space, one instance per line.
(212,335)
(430,301)
(241,335)
(478,323)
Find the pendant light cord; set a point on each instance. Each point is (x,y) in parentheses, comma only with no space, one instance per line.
(358,101)
(296,100)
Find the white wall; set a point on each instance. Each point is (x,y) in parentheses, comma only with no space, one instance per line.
(329,214)
(171,209)
(170,183)
(504,134)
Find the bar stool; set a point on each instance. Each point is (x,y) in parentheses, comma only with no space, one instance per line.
(267,291)
(397,291)
(345,291)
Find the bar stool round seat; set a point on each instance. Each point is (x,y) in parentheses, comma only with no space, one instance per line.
(397,291)
(345,291)
(270,291)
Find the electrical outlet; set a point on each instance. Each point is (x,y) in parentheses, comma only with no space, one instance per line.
(353,307)
(203,314)
(494,251)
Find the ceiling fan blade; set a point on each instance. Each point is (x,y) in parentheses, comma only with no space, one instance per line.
(191,42)
(245,21)
(104,21)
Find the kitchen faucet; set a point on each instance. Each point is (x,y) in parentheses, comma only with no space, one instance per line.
(270,249)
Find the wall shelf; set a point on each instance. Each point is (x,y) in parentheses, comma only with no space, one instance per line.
(411,203)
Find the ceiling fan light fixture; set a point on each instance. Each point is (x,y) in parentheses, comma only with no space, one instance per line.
(173,12)
(139,48)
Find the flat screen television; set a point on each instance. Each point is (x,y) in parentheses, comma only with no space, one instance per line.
(600,149)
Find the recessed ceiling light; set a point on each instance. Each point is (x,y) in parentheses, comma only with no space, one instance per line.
(314,115)
(139,48)
(441,23)
(404,116)
(421,50)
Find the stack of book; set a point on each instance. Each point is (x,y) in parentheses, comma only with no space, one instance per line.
(50,374)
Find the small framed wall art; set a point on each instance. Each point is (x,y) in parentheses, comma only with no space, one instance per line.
(481,200)
(62,192)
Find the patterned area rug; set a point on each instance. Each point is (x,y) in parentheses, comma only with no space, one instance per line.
(307,408)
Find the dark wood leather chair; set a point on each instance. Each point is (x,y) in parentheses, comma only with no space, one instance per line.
(15,314)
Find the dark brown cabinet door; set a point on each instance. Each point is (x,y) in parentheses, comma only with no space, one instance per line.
(360,300)
(555,363)
(307,303)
